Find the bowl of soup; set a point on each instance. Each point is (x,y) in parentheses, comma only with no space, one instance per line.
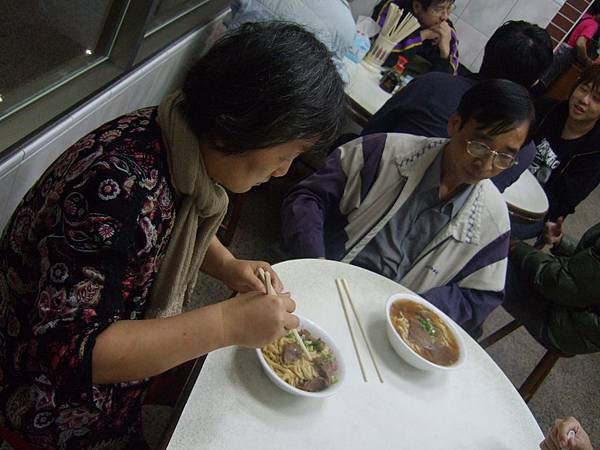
(423,335)
(286,364)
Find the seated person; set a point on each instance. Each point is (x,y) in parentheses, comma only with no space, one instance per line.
(557,296)
(566,434)
(518,51)
(331,21)
(567,161)
(575,48)
(436,40)
(101,254)
(420,210)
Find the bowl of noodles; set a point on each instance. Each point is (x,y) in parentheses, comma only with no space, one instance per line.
(422,335)
(289,368)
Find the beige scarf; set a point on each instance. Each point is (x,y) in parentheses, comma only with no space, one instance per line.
(202,204)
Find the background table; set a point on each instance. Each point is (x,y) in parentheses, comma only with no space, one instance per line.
(363,91)
(233,405)
(526,198)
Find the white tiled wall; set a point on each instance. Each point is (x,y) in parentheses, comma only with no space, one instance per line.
(143,87)
(476,20)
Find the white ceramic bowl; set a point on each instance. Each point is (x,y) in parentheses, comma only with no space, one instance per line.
(408,354)
(318,332)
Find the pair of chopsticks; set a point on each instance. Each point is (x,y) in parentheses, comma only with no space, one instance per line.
(265,277)
(344,292)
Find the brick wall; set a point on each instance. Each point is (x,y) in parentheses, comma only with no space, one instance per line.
(566,18)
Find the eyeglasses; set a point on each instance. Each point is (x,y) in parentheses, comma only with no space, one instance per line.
(443,8)
(482,151)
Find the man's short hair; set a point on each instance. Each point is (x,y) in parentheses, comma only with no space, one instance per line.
(518,51)
(590,75)
(499,106)
(265,84)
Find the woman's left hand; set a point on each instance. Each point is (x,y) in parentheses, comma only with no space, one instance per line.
(241,275)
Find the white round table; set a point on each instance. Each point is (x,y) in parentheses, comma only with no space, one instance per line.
(233,405)
(526,198)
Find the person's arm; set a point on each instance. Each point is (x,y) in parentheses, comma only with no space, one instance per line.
(136,349)
(478,287)
(239,274)
(568,190)
(581,51)
(306,207)
(568,281)
(467,307)
(347,174)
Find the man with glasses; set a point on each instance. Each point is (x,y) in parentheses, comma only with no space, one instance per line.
(518,51)
(419,210)
(435,41)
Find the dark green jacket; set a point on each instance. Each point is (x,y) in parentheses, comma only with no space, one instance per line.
(569,280)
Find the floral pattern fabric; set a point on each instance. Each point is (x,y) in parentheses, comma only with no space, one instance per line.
(81,252)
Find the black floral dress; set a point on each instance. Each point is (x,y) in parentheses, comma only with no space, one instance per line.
(81,252)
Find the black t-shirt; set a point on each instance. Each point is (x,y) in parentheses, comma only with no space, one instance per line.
(567,169)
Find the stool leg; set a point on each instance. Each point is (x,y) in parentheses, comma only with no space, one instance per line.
(499,334)
(539,374)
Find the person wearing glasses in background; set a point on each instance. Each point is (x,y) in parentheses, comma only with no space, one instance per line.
(421,211)
(436,40)
(518,51)
(567,159)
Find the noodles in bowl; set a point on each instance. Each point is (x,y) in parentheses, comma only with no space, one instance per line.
(287,365)
(422,334)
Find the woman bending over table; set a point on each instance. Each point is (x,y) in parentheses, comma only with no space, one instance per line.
(101,254)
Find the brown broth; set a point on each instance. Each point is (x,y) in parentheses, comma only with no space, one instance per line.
(423,322)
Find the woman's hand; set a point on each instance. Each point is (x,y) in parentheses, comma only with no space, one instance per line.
(241,275)
(558,436)
(255,319)
(553,232)
(238,274)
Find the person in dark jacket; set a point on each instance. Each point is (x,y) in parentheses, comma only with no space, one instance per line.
(567,160)
(436,40)
(518,51)
(557,296)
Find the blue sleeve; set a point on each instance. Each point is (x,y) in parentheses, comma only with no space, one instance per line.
(306,207)
(467,307)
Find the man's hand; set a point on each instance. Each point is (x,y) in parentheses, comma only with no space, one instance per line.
(429,35)
(553,232)
(254,319)
(444,31)
(240,275)
(567,434)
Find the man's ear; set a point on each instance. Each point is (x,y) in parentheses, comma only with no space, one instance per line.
(454,124)
(417,7)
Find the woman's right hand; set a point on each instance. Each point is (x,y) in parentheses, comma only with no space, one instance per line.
(254,319)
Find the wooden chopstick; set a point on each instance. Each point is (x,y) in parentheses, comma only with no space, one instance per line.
(362,331)
(341,293)
(266,279)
